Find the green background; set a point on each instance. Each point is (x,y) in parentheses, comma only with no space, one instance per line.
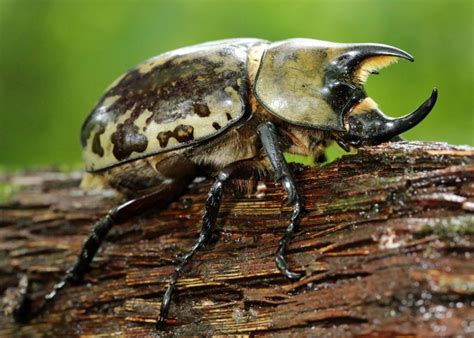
(57,57)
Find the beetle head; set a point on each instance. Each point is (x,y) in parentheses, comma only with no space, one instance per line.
(320,85)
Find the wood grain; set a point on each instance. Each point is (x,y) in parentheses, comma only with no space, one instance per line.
(386,245)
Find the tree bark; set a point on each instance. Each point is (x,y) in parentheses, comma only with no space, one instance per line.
(386,245)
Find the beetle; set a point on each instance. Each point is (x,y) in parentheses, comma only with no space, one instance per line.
(228,110)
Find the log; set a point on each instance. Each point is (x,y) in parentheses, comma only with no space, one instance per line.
(386,246)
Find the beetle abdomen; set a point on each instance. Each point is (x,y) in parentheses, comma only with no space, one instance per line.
(171,101)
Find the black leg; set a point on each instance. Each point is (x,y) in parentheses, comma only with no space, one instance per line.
(237,170)
(269,138)
(166,193)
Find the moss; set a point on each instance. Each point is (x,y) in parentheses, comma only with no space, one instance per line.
(457,284)
(349,203)
(449,229)
(6,191)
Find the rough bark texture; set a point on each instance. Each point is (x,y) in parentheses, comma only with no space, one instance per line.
(386,246)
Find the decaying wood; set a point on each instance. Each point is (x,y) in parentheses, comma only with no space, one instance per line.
(386,246)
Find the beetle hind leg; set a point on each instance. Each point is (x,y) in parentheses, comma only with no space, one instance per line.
(166,193)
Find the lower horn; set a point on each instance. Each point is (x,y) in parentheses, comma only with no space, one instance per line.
(394,127)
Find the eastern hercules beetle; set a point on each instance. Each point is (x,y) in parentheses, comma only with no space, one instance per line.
(228,110)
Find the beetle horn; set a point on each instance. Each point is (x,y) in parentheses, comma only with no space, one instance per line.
(358,61)
(352,56)
(361,52)
(373,127)
(394,127)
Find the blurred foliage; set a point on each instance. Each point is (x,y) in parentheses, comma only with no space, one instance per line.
(57,57)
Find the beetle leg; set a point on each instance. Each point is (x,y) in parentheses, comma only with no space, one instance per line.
(246,169)
(269,138)
(167,192)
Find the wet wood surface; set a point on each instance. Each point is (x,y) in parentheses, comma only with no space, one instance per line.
(386,246)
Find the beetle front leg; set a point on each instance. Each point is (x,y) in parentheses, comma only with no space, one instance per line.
(166,193)
(269,138)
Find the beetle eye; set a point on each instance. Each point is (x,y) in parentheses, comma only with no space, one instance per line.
(344,96)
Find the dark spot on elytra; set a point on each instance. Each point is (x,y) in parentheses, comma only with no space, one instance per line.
(96,145)
(216,125)
(163,137)
(126,139)
(229,117)
(201,109)
(181,133)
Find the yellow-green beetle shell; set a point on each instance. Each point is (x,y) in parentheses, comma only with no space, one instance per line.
(170,101)
(290,79)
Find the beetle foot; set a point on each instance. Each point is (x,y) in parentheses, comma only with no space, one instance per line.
(17,302)
(283,267)
(161,323)
(164,323)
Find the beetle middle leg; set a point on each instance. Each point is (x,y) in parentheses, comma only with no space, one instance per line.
(166,193)
(245,169)
(270,142)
